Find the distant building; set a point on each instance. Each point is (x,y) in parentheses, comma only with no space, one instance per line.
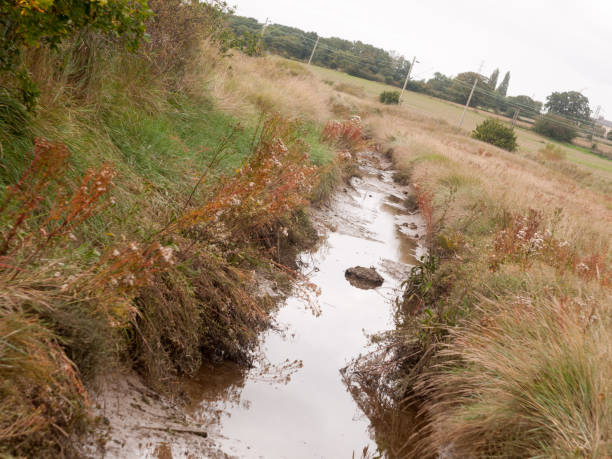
(607,125)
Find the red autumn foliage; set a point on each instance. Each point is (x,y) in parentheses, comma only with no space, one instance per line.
(346,135)
(44,207)
(425,203)
(272,183)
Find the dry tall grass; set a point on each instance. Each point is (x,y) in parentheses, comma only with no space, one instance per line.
(516,354)
(246,86)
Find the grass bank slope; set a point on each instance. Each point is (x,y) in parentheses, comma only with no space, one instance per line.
(139,203)
(503,333)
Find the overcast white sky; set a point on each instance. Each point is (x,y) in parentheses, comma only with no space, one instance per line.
(548,45)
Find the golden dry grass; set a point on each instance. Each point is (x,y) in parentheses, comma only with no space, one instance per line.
(525,366)
(525,370)
(246,86)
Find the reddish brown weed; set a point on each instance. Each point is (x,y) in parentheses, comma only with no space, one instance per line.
(44,207)
(347,134)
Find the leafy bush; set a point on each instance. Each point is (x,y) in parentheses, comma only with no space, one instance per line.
(31,23)
(555,127)
(389,97)
(496,133)
(177,30)
(609,136)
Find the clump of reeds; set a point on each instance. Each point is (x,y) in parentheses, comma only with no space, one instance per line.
(345,135)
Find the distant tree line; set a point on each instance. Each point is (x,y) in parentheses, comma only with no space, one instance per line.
(376,64)
(567,113)
(352,57)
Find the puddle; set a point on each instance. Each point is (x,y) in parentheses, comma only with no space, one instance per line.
(293,403)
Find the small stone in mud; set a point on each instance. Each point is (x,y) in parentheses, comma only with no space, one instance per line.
(364,278)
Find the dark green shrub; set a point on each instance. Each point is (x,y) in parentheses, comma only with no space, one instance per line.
(555,127)
(389,97)
(609,136)
(496,133)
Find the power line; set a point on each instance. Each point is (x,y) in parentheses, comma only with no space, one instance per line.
(359,60)
(526,107)
(347,55)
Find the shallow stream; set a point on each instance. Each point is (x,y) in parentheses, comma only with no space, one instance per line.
(293,403)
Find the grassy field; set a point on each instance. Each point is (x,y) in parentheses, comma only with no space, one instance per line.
(504,330)
(529,141)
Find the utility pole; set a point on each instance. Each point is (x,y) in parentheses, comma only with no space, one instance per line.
(261,45)
(595,117)
(313,50)
(263,28)
(516,115)
(407,77)
(467,104)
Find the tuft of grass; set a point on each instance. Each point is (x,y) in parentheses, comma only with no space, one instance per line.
(553,152)
(43,399)
(552,401)
(350,89)
(456,180)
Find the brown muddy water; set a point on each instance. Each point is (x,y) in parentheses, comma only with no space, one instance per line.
(293,402)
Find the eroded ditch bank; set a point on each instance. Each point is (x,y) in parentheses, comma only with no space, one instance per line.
(293,402)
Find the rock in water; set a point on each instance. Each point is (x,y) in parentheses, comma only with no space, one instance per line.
(364,278)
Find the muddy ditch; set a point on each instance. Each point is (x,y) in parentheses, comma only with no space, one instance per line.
(293,402)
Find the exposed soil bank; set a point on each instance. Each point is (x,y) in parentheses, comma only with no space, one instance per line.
(293,402)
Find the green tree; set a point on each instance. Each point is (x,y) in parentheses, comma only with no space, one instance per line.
(555,127)
(353,57)
(571,104)
(529,107)
(461,87)
(492,83)
(609,135)
(496,133)
(439,85)
(503,87)
(491,101)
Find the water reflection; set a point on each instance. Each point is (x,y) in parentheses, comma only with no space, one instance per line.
(293,403)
